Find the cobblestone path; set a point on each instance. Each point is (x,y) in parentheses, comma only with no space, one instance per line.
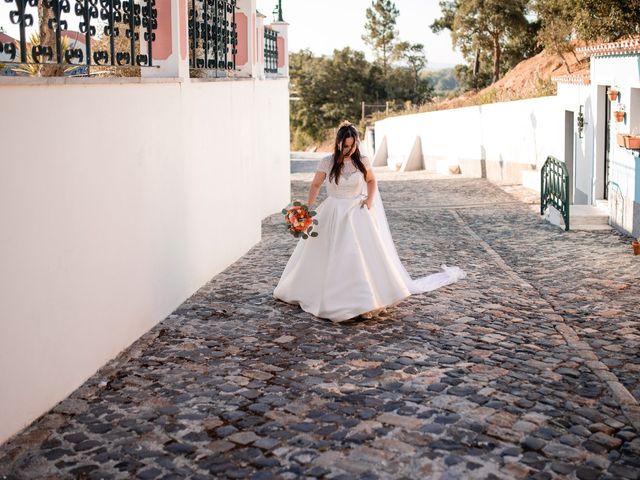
(529,368)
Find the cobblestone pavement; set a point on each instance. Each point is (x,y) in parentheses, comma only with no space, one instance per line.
(529,368)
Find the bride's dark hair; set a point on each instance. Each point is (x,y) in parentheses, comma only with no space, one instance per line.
(345,130)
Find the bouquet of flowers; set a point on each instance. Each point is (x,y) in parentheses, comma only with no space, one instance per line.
(299,220)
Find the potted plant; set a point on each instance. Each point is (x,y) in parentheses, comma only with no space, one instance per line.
(636,246)
(632,142)
(618,113)
(613,94)
(620,137)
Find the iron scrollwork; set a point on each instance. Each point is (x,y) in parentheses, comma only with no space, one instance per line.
(213,36)
(118,42)
(270,51)
(20,17)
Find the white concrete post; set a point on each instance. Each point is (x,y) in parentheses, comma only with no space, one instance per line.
(283,47)
(259,45)
(246,28)
(171,47)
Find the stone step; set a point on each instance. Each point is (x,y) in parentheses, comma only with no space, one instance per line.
(603,205)
(581,217)
(591,227)
(587,215)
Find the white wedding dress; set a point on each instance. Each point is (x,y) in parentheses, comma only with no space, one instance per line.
(352,267)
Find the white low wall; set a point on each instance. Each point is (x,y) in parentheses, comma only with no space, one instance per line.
(117,202)
(497,141)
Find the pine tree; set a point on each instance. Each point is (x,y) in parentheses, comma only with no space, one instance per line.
(607,20)
(479,26)
(414,57)
(556,26)
(381,34)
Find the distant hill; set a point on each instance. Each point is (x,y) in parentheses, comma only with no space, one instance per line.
(444,81)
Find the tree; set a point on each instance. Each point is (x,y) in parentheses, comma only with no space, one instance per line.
(520,45)
(556,26)
(47,39)
(327,90)
(413,55)
(479,26)
(607,20)
(381,34)
(470,79)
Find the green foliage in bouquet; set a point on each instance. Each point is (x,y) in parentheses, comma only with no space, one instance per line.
(299,220)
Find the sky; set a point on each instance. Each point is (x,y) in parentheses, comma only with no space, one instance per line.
(324,25)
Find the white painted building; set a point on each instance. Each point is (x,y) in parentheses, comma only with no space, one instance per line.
(509,142)
(602,171)
(110,225)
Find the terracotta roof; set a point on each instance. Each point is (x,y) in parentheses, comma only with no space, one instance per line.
(4,38)
(580,78)
(74,36)
(620,47)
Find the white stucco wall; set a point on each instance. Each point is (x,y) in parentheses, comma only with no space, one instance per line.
(117,202)
(570,98)
(521,133)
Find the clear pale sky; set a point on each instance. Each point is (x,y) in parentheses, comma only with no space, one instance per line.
(323,25)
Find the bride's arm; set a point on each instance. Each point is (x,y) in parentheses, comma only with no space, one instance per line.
(371,188)
(316,183)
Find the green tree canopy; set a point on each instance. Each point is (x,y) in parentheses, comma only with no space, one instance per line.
(413,57)
(556,25)
(327,90)
(607,20)
(479,26)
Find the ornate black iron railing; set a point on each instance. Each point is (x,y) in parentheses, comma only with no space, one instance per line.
(270,51)
(113,27)
(213,36)
(554,188)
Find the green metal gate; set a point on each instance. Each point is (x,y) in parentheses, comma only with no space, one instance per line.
(554,188)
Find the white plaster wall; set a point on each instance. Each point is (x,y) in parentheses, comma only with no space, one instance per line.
(117,202)
(570,98)
(519,132)
(623,70)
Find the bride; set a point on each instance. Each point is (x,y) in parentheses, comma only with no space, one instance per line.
(351,268)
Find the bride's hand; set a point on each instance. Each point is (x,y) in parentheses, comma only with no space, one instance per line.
(366,203)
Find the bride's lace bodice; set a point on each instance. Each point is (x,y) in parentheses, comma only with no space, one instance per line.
(351,182)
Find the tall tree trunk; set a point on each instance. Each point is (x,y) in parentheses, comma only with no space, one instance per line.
(384,71)
(564,60)
(558,47)
(496,57)
(47,39)
(573,52)
(476,69)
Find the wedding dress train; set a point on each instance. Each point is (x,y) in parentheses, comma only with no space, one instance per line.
(352,266)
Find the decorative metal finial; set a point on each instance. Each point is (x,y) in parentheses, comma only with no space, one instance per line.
(277,12)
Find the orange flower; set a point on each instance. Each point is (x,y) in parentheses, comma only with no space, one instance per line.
(298,219)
